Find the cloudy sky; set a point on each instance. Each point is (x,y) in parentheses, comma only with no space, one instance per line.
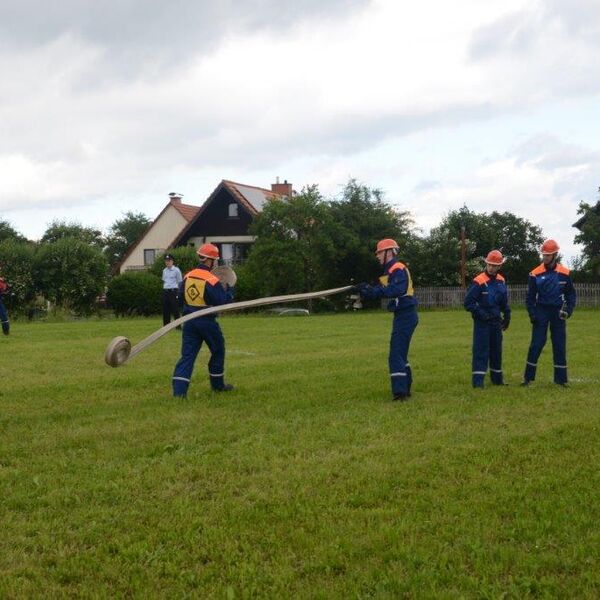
(109,106)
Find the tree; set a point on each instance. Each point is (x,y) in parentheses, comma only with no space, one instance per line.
(294,247)
(589,238)
(361,218)
(518,239)
(122,234)
(138,293)
(71,273)
(16,266)
(8,233)
(58,230)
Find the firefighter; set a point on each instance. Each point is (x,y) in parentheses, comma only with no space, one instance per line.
(550,301)
(3,313)
(202,289)
(487,301)
(396,285)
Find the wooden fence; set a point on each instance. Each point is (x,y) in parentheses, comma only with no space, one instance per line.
(588,295)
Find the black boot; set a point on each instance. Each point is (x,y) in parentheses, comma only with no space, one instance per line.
(5,328)
(400,398)
(226,388)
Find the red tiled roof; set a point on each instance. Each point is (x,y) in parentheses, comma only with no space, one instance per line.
(238,190)
(187,211)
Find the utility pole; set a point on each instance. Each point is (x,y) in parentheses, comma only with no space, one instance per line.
(463,258)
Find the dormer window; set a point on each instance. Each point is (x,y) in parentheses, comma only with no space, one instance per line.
(233,210)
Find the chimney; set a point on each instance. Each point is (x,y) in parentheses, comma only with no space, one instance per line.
(283,189)
(175,197)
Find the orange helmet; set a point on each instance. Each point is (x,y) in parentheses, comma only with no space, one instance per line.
(494,258)
(550,247)
(208,251)
(386,244)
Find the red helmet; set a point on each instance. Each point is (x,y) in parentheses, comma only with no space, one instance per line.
(494,258)
(550,247)
(386,244)
(208,251)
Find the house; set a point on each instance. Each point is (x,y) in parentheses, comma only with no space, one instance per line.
(160,234)
(224,219)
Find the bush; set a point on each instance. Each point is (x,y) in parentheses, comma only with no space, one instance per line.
(16,266)
(71,273)
(137,293)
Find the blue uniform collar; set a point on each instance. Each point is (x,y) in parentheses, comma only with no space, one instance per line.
(388,265)
(203,266)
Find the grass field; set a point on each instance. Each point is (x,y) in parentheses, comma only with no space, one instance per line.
(306,481)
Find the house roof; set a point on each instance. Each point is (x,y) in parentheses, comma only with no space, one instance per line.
(252,198)
(187,211)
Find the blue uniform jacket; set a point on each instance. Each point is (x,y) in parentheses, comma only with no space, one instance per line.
(552,287)
(487,298)
(202,289)
(395,284)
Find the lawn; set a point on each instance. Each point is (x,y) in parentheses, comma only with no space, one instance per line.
(306,481)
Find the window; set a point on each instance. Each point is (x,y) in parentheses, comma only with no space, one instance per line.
(233,211)
(149,256)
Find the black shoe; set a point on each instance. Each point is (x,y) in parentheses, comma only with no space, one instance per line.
(525,384)
(400,398)
(565,385)
(226,388)
(180,396)
(5,328)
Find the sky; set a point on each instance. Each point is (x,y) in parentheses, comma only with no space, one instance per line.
(106,107)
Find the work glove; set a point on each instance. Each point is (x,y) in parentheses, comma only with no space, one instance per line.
(505,324)
(563,314)
(355,289)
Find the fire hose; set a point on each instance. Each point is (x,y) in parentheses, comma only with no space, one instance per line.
(119,350)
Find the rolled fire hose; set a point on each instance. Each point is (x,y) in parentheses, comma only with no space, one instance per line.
(120,351)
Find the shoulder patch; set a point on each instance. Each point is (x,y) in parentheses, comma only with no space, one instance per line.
(501,278)
(562,270)
(538,270)
(396,266)
(204,275)
(481,279)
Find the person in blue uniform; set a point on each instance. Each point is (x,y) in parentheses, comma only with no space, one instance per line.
(487,301)
(172,280)
(202,289)
(550,301)
(396,285)
(3,312)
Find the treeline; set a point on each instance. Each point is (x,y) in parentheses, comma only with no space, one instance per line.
(306,243)
(70,265)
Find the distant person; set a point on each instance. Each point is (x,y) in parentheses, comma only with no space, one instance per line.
(396,285)
(202,289)
(487,301)
(3,312)
(172,280)
(550,301)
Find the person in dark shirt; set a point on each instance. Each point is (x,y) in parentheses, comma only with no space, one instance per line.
(396,285)
(202,289)
(487,301)
(550,301)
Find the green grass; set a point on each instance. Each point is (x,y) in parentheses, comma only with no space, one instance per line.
(304,482)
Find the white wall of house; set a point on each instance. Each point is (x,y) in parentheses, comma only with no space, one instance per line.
(164,230)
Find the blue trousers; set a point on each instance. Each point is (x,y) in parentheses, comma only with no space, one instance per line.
(4,318)
(548,316)
(405,323)
(487,350)
(194,333)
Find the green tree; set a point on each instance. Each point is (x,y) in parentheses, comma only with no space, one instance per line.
(16,266)
(58,230)
(71,273)
(439,255)
(122,234)
(589,238)
(360,218)
(294,248)
(138,292)
(7,232)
